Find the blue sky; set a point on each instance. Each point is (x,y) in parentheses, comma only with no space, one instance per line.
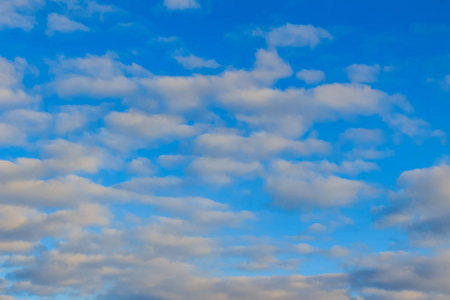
(211,149)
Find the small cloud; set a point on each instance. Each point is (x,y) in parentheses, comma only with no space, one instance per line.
(371,136)
(166,39)
(362,73)
(181,4)
(59,23)
(316,228)
(445,84)
(296,36)
(311,76)
(339,251)
(194,62)
(305,249)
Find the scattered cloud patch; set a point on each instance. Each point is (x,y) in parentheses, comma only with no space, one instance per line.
(59,23)
(363,73)
(311,76)
(292,35)
(181,4)
(191,62)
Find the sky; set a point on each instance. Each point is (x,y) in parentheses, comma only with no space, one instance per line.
(224,149)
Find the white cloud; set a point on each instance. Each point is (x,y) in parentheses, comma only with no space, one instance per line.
(86,8)
(400,274)
(223,170)
(446,83)
(150,127)
(150,184)
(19,13)
(415,128)
(181,4)
(11,135)
(370,153)
(191,62)
(65,157)
(15,247)
(421,204)
(297,36)
(12,94)
(257,145)
(311,76)
(362,73)
(364,136)
(95,76)
(75,117)
(316,228)
(141,166)
(59,23)
(308,185)
(172,161)
(58,192)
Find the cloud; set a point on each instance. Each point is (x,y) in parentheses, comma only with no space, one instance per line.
(172,161)
(11,135)
(308,185)
(380,294)
(19,13)
(86,213)
(364,136)
(420,206)
(150,184)
(445,84)
(87,8)
(59,23)
(245,288)
(370,153)
(362,73)
(12,93)
(311,76)
(258,145)
(72,118)
(22,226)
(415,128)
(393,273)
(150,127)
(181,4)
(297,36)
(141,166)
(191,62)
(223,170)
(95,76)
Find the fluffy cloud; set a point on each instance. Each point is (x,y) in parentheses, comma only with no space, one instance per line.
(421,204)
(364,136)
(222,170)
(150,127)
(311,76)
(191,62)
(59,23)
(12,94)
(362,73)
(415,128)
(94,76)
(181,4)
(297,36)
(145,194)
(446,83)
(400,274)
(258,145)
(19,13)
(309,185)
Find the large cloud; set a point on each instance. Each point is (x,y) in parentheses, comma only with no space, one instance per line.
(421,205)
